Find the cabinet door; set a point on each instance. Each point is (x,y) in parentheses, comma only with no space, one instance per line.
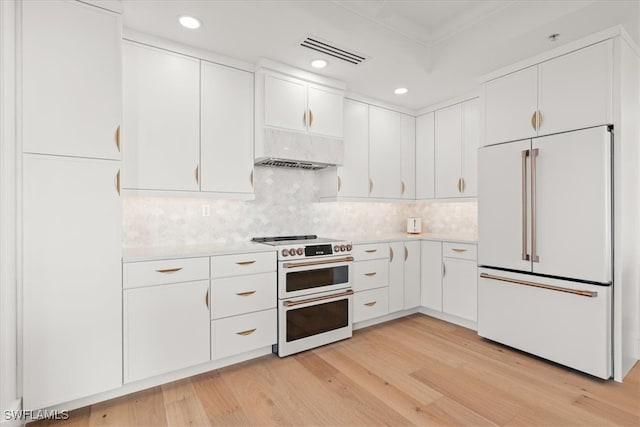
(459,288)
(412,262)
(71,84)
(503,223)
(396,276)
(510,103)
(431,275)
(575,90)
(448,151)
(353,176)
(425,156)
(384,153)
(285,103)
(227,129)
(165,328)
(470,139)
(161,119)
(408,156)
(72,279)
(325,112)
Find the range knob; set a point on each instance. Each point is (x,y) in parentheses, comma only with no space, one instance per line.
(343,248)
(292,252)
(300,251)
(336,248)
(285,252)
(349,247)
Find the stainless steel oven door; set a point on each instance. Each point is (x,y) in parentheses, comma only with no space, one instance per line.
(305,277)
(309,322)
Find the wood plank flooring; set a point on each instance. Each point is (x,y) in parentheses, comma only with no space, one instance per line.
(412,371)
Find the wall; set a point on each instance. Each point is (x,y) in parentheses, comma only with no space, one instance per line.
(286,203)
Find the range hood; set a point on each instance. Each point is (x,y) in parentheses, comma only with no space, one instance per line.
(287,149)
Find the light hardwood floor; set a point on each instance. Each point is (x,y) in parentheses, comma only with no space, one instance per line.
(412,371)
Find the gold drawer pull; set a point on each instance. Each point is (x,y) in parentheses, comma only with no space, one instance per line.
(534,121)
(118,138)
(458,250)
(206,299)
(247,332)
(246,294)
(245,262)
(370,274)
(370,304)
(339,183)
(169,270)
(197,174)
(370,251)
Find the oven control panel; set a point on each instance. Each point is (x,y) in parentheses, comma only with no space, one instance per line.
(309,251)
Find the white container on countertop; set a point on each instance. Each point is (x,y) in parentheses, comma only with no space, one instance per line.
(414,225)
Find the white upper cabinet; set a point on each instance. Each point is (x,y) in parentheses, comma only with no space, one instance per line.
(510,106)
(227,129)
(470,143)
(285,103)
(161,119)
(448,151)
(71,84)
(353,176)
(408,156)
(425,156)
(296,105)
(325,111)
(570,92)
(385,180)
(575,90)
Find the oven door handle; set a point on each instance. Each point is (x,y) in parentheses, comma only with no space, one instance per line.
(316,299)
(318,262)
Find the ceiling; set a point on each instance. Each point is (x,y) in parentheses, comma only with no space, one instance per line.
(437,49)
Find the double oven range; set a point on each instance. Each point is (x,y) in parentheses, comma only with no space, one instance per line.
(315,295)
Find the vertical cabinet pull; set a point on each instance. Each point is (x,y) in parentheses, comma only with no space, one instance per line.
(251,177)
(406,253)
(390,254)
(118,138)
(534,243)
(198,174)
(539,120)
(118,182)
(461,184)
(525,254)
(444,269)
(339,183)
(370,185)
(534,120)
(310,118)
(304,118)
(402,187)
(206,299)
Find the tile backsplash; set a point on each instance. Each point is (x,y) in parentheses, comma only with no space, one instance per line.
(286,203)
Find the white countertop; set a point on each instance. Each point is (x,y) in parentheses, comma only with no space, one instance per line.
(194,251)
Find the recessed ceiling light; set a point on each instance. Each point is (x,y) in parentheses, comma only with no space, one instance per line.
(401,91)
(319,63)
(189,22)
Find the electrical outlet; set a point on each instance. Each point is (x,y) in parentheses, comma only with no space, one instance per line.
(206,210)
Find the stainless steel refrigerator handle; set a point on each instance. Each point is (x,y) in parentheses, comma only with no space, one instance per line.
(525,254)
(582,293)
(534,243)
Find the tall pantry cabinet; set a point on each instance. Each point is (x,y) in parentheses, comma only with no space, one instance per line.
(71,214)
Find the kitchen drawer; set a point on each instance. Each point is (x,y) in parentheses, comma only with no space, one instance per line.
(372,251)
(459,250)
(370,304)
(239,264)
(137,274)
(231,296)
(239,334)
(370,274)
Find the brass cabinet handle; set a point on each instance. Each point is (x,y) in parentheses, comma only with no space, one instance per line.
(246,294)
(406,253)
(318,262)
(169,270)
(370,274)
(316,299)
(247,332)
(583,293)
(310,118)
(539,119)
(245,262)
(534,243)
(370,185)
(523,200)
(118,182)
(534,120)
(403,187)
(458,250)
(370,304)
(118,138)
(459,185)
(370,251)
(444,269)
(251,177)
(339,183)
(198,174)
(206,299)
(390,254)
(304,118)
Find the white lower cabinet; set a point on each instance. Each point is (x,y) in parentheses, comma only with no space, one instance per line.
(459,288)
(396,276)
(370,304)
(371,275)
(431,275)
(239,334)
(166,328)
(404,276)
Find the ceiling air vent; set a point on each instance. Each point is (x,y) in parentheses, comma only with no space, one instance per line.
(328,48)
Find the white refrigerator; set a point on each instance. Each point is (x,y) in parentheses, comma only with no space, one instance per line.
(545,247)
